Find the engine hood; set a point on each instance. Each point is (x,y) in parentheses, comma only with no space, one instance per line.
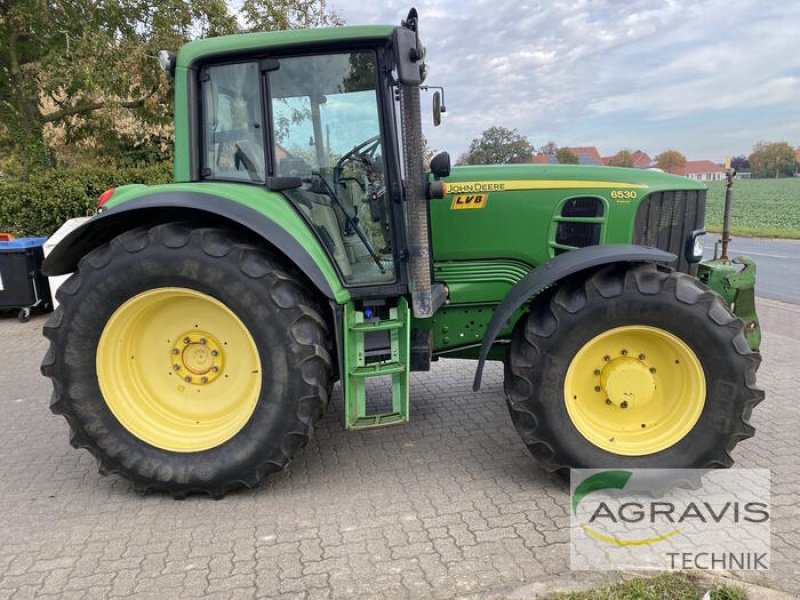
(496,178)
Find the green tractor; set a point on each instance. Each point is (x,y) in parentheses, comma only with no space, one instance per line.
(302,242)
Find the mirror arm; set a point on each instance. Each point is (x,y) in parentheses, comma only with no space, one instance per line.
(436,87)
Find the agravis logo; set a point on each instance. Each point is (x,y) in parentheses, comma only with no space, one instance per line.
(605,481)
(647,517)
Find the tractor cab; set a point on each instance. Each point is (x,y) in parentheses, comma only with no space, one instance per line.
(320,127)
(321,144)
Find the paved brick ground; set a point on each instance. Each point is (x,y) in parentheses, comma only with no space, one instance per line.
(449,505)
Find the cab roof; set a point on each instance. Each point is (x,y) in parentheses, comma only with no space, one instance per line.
(244,42)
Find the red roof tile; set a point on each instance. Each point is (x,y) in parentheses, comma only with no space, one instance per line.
(693,167)
(590,150)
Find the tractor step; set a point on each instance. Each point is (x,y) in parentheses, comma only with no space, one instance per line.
(361,365)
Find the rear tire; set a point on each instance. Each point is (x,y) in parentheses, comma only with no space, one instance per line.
(243,432)
(565,428)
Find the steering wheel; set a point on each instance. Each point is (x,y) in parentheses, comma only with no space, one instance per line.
(366,154)
(363,152)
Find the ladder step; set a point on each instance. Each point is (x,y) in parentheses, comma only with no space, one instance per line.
(375,369)
(381,420)
(393,330)
(378,325)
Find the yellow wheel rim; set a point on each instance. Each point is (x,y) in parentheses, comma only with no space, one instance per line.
(635,390)
(178,369)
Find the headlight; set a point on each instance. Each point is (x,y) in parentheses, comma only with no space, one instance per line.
(695,246)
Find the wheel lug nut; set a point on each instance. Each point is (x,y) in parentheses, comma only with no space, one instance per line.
(215,369)
(203,341)
(176,367)
(623,404)
(606,358)
(624,352)
(652,369)
(597,388)
(608,401)
(187,379)
(204,380)
(642,357)
(186,340)
(597,371)
(214,353)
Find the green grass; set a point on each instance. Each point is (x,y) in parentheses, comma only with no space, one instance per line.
(675,586)
(761,207)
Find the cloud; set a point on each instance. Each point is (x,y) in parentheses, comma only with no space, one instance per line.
(650,75)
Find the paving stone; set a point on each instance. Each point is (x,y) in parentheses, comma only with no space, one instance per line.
(449,505)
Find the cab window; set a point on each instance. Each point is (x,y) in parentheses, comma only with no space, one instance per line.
(326,131)
(233,138)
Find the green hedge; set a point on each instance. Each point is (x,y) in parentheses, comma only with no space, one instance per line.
(39,205)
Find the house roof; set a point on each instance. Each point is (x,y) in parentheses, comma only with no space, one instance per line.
(641,160)
(587,155)
(693,167)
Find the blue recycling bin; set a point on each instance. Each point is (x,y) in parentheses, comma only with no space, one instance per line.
(22,285)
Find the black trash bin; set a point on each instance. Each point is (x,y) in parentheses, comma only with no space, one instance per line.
(22,285)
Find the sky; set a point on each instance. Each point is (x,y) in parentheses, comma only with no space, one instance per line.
(709,78)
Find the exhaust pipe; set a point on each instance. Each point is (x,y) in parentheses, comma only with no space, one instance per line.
(409,58)
(419,258)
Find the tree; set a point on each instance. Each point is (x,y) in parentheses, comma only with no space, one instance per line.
(740,163)
(623,158)
(671,161)
(498,145)
(549,148)
(270,15)
(566,156)
(82,67)
(775,159)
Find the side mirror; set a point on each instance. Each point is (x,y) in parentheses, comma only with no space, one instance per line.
(440,165)
(409,53)
(166,60)
(437,109)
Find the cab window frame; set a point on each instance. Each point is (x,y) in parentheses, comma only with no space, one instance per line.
(390,139)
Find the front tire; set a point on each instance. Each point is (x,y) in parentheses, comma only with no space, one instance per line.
(188,360)
(631,367)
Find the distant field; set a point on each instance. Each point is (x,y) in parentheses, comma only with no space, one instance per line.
(761,207)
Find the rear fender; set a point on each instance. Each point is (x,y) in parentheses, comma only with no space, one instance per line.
(287,232)
(552,272)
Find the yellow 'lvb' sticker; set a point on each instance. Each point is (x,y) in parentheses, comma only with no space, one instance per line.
(463,201)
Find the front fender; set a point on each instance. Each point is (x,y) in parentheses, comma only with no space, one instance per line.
(551,272)
(241,207)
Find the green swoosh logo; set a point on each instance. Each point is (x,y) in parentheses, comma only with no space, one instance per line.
(599,481)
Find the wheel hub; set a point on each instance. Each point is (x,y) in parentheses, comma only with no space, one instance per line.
(197,357)
(628,382)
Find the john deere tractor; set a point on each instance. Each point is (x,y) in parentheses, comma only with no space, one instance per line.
(302,242)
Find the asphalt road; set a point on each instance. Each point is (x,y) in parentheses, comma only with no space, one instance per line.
(777,261)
